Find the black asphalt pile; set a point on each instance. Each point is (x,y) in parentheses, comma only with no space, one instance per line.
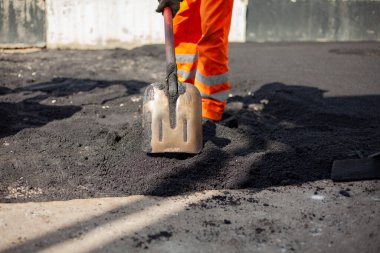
(71,128)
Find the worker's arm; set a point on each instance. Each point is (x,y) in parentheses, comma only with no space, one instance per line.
(173,4)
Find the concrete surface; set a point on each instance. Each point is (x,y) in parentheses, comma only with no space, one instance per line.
(315,217)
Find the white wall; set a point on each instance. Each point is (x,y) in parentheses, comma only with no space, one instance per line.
(239,21)
(115,23)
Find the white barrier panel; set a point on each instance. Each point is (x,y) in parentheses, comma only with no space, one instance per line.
(239,21)
(115,23)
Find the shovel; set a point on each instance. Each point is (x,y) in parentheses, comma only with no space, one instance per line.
(172,111)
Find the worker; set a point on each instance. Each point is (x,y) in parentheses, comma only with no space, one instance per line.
(201,29)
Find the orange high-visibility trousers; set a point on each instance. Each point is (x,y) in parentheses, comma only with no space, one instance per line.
(201,29)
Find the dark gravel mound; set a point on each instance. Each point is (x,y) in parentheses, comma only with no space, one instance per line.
(79,136)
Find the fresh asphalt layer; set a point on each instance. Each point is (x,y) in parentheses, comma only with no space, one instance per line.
(70,129)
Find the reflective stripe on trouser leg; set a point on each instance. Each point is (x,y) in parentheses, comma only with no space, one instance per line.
(186,58)
(185,76)
(187,71)
(214,91)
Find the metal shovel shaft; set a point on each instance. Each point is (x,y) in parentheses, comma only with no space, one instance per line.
(169,36)
(171,68)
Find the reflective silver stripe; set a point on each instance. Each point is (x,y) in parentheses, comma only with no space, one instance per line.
(220,96)
(211,80)
(185,74)
(187,58)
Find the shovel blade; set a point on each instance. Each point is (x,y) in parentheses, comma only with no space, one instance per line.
(158,135)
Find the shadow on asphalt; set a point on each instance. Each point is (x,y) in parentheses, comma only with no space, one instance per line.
(60,87)
(294,137)
(30,113)
(18,116)
(289,134)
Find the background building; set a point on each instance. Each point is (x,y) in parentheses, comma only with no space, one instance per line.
(126,23)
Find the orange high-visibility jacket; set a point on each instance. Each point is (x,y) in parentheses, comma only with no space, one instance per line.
(201,29)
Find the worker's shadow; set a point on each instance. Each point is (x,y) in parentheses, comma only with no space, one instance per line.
(209,134)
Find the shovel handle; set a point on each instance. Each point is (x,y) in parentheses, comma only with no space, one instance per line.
(169,36)
(171,67)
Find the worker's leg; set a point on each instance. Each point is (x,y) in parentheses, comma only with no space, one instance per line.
(212,69)
(187,32)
